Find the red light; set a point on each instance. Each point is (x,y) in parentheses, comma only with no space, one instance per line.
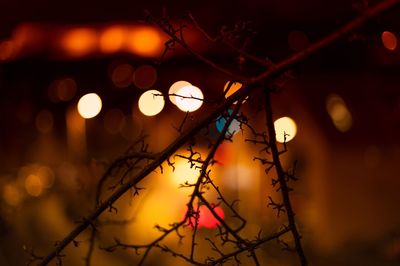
(206,218)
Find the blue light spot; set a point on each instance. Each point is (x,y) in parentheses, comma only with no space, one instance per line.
(233,128)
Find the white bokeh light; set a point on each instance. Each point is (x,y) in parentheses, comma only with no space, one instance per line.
(151,102)
(190,98)
(285,129)
(89,105)
(175,88)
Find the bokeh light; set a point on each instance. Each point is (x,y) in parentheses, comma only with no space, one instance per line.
(145,77)
(207,219)
(235,86)
(184,172)
(121,75)
(145,41)
(285,129)
(389,40)
(339,113)
(66,89)
(232,89)
(46,176)
(44,121)
(239,176)
(191,100)
(7,50)
(33,185)
(12,195)
(233,128)
(79,41)
(62,90)
(151,102)
(89,105)
(112,39)
(175,88)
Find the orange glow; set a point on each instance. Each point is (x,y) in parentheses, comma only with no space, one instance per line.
(112,39)
(225,153)
(233,88)
(33,185)
(339,113)
(145,41)
(46,176)
(76,133)
(11,195)
(389,40)
(79,42)
(7,50)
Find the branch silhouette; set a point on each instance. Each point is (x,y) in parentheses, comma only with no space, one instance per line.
(249,85)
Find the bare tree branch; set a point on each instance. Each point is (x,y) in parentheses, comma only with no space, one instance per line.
(249,86)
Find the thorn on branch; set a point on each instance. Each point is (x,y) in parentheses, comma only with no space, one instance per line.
(279,207)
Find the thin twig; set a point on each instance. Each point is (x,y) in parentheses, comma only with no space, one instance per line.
(282,179)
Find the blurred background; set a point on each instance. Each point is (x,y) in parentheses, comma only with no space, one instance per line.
(75,79)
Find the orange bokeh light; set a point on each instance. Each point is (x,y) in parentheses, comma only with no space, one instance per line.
(145,41)
(79,41)
(389,40)
(112,39)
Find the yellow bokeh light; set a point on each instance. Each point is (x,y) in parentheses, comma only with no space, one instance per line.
(184,172)
(285,129)
(89,105)
(389,40)
(112,39)
(79,41)
(145,41)
(339,113)
(151,102)
(189,99)
(175,88)
(33,185)
(160,207)
(11,195)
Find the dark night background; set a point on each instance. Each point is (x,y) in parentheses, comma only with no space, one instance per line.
(347,200)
